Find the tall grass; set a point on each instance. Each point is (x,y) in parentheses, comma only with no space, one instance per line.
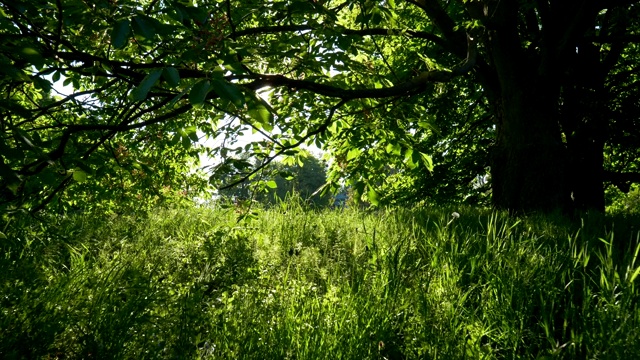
(301,284)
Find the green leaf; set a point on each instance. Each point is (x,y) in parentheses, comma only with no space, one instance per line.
(23,137)
(228,91)
(192,133)
(195,13)
(373,196)
(199,92)
(9,176)
(171,76)
(429,126)
(394,148)
(79,175)
(287,175)
(84,167)
(260,113)
(272,184)
(178,97)
(143,27)
(409,159)
(353,153)
(2,235)
(33,56)
(141,91)
(427,161)
(41,83)
(120,33)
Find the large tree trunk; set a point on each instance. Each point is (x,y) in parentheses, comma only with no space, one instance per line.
(543,161)
(528,172)
(585,126)
(586,173)
(532,168)
(585,131)
(529,163)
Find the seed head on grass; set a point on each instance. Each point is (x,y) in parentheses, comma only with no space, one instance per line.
(454,215)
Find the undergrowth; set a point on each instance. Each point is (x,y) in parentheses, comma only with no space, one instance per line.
(336,284)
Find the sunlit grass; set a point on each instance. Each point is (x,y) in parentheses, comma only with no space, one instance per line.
(341,284)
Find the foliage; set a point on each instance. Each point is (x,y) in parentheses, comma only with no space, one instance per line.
(306,179)
(192,283)
(303,176)
(621,203)
(413,99)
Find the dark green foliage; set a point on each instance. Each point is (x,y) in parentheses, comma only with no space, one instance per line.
(415,100)
(305,180)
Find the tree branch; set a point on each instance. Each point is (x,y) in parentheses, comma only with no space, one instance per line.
(323,127)
(444,22)
(50,197)
(340,31)
(60,21)
(405,88)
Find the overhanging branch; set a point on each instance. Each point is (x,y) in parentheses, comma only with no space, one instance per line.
(322,128)
(263,30)
(408,87)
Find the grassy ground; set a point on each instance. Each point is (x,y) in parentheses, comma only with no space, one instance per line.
(342,284)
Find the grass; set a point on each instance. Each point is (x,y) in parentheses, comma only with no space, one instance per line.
(300,284)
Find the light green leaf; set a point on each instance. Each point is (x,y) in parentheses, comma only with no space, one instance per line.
(394,148)
(409,159)
(199,92)
(84,167)
(287,175)
(353,153)
(228,91)
(192,133)
(2,235)
(272,184)
(141,91)
(260,113)
(171,76)
(429,126)
(120,33)
(427,161)
(373,196)
(79,175)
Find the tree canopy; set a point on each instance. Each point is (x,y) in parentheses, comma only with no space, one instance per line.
(416,99)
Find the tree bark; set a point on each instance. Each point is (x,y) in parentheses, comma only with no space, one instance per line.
(585,130)
(529,163)
(528,171)
(585,124)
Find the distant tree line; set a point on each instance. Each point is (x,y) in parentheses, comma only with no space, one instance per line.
(303,177)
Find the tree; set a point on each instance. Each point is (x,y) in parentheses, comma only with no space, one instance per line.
(305,178)
(551,85)
(303,175)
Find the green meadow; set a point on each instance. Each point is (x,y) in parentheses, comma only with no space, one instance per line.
(296,283)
